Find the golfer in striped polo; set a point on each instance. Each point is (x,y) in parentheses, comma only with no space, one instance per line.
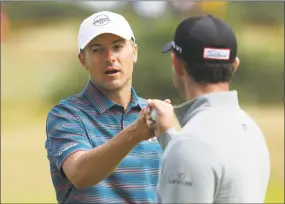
(97,141)
(220,154)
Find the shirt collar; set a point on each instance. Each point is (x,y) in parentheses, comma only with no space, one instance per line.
(136,101)
(186,110)
(102,103)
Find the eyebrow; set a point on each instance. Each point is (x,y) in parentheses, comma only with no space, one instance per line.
(114,42)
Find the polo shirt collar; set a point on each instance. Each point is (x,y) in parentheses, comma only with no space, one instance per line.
(102,103)
(186,110)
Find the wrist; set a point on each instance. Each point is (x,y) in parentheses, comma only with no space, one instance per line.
(134,134)
(165,128)
(165,137)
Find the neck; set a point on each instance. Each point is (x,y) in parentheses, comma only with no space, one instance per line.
(120,96)
(194,90)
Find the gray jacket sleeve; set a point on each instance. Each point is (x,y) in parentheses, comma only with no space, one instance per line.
(186,176)
(165,137)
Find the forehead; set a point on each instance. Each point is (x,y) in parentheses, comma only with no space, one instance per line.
(107,38)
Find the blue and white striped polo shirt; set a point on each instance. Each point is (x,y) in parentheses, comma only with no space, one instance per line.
(87,120)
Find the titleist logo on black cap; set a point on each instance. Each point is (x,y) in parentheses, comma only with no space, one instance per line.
(101,20)
(216,53)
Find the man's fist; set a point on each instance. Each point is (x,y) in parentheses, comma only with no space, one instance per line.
(162,113)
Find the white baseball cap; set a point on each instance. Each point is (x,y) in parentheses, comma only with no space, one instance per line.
(103,22)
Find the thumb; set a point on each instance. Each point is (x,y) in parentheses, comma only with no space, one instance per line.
(150,103)
(157,105)
(167,101)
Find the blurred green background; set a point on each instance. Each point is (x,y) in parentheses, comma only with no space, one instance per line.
(39,67)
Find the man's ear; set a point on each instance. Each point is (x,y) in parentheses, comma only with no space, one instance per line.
(82,60)
(236,64)
(177,64)
(135,52)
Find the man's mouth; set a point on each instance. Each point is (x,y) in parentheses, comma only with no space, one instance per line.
(112,71)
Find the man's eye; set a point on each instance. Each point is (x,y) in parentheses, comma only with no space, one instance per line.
(118,47)
(96,50)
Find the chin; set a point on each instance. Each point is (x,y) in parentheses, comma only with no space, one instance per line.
(112,86)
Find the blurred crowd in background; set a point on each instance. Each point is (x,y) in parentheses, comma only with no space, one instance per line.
(39,67)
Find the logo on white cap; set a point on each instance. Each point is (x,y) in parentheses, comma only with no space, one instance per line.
(101,20)
(214,53)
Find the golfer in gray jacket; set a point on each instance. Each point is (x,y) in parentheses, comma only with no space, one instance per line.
(220,154)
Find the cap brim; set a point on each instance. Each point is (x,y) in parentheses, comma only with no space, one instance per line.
(107,31)
(168,47)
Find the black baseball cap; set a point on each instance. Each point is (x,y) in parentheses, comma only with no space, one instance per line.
(204,39)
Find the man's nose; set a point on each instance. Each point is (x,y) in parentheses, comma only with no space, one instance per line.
(110,55)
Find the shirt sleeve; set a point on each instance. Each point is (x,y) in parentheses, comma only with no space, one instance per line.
(165,137)
(186,175)
(65,135)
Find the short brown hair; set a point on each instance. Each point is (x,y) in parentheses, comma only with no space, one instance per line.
(210,72)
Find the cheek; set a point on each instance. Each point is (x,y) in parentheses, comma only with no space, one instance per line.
(94,62)
(177,81)
(174,77)
(94,67)
(127,61)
